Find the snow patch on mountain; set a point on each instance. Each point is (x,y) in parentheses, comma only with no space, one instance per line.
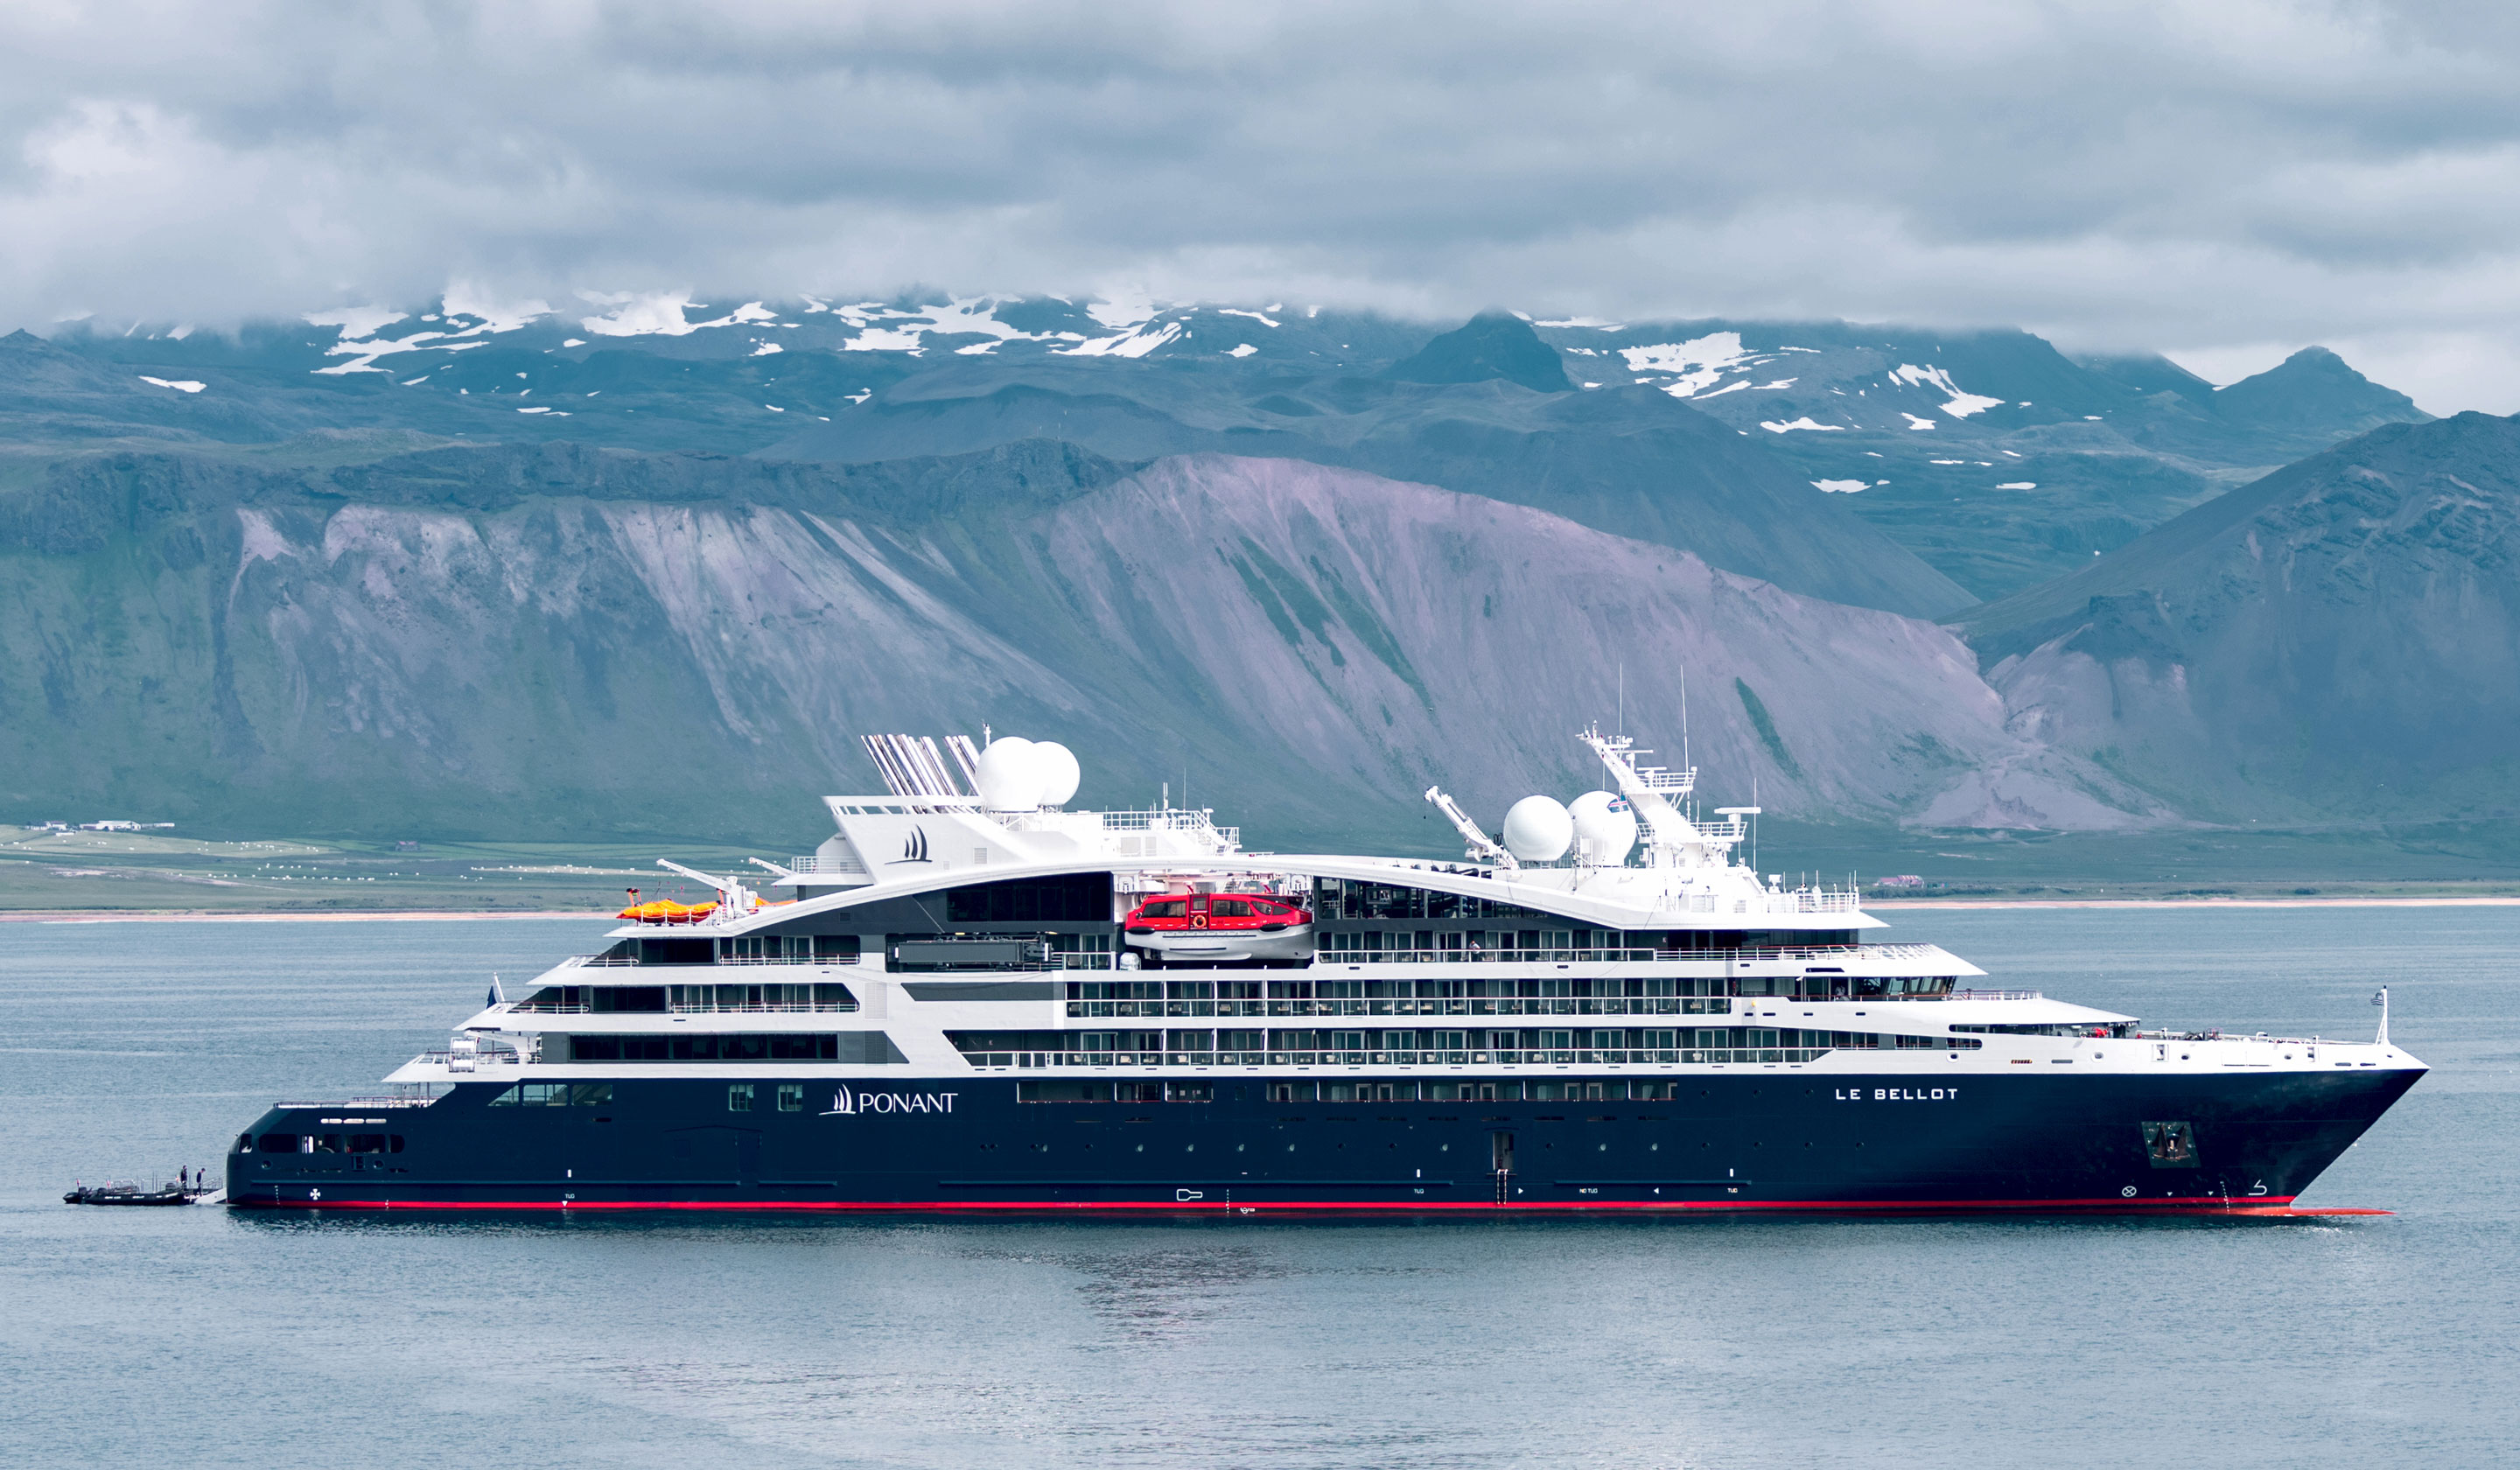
(180,385)
(1134,344)
(663,313)
(885,340)
(1699,364)
(1960,404)
(1840,487)
(489,314)
(1123,312)
(896,329)
(1805,422)
(356,321)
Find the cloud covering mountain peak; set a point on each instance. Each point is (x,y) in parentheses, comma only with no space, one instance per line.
(2222,180)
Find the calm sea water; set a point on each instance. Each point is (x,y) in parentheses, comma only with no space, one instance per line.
(126,1048)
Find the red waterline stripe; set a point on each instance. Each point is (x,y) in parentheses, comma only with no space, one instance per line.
(2281,1205)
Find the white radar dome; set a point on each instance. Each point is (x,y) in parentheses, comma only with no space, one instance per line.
(1060,771)
(1537,829)
(1011,775)
(1604,829)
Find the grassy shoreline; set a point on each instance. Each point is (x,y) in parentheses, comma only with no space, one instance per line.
(62,875)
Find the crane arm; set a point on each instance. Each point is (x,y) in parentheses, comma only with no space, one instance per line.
(1482,848)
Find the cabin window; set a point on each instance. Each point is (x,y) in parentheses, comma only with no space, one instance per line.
(1063,1092)
(637,998)
(535,1094)
(768,948)
(280,1142)
(1076,898)
(677,952)
(739,1097)
(792,1098)
(862,1047)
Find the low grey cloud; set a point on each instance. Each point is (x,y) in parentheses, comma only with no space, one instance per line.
(2224,181)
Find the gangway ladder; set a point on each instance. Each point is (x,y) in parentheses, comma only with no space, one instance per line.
(1501,1161)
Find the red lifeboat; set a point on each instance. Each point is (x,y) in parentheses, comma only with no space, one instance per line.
(1187,929)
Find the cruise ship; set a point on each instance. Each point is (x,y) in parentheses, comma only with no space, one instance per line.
(971,998)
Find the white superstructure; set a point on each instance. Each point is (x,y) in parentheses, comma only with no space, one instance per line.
(1641,946)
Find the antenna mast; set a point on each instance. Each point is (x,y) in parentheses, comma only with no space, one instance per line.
(1683,719)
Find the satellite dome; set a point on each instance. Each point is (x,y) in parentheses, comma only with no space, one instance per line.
(1011,775)
(1537,829)
(1605,830)
(1060,771)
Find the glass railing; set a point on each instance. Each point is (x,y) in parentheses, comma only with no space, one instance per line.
(1551,1057)
(1753,954)
(1507,1006)
(622,961)
(704,1007)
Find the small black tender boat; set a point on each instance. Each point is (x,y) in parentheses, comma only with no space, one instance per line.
(183,1191)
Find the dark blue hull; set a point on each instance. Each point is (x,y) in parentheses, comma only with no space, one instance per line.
(1733,1141)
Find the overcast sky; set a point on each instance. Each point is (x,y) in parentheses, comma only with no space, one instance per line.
(2224,181)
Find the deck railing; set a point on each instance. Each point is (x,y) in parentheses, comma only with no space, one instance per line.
(1752,955)
(688,1007)
(1502,1006)
(1553,1057)
(632,961)
(471,1061)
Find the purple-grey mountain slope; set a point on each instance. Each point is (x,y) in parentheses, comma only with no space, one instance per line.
(552,638)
